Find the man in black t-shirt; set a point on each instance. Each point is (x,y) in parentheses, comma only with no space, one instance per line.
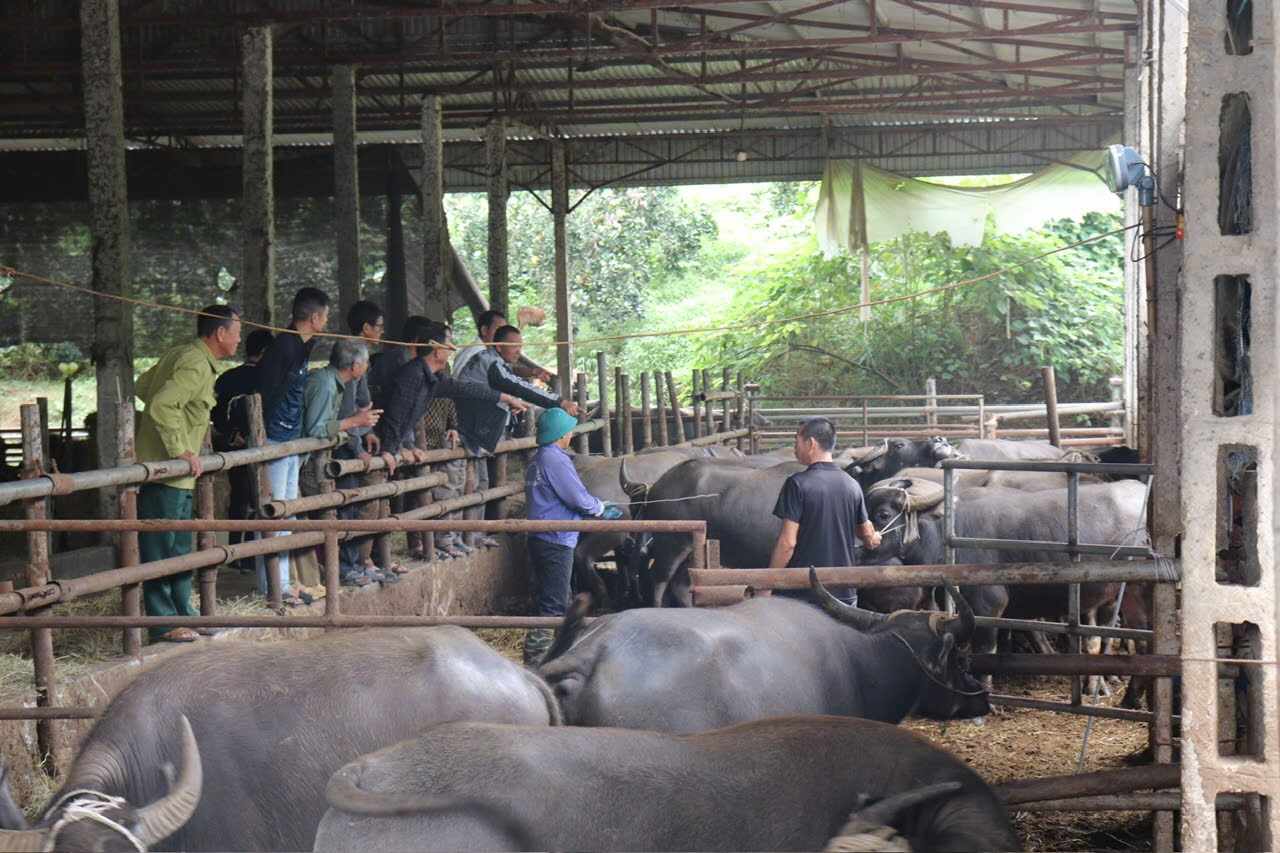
(821,507)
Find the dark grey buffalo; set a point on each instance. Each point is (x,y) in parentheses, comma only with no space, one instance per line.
(1007,450)
(737,504)
(779,784)
(90,818)
(275,720)
(893,455)
(1110,514)
(687,670)
(600,475)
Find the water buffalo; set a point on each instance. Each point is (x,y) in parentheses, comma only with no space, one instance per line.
(275,720)
(778,784)
(684,670)
(1110,514)
(600,475)
(87,818)
(1007,450)
(737,503)
(871,464)
(1023,481)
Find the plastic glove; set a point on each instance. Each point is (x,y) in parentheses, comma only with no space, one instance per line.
(612,512)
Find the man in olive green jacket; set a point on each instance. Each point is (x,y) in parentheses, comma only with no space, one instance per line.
(178,395)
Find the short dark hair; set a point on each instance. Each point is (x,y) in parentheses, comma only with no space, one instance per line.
(308,302)
(257,343)
(486,318)
(504,333)
(363,313)
(821,430)
(215,317)
(423,330)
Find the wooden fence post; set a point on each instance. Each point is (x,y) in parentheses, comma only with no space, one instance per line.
(38,575)
(697,409)
(708,410)
(261,482)
(602,378)
(660,398)
(624,414)
(208,577)
(646,416)
(742,407)
(127,553)
(583,440)
(678,417)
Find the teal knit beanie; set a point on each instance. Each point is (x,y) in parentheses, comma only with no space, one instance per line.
(553,424)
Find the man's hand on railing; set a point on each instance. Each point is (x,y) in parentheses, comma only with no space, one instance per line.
(570,407)
(390,459)
(514,403)
(451,439)
(192,459)
(372,443)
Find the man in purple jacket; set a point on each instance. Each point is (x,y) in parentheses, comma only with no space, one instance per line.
(555,493)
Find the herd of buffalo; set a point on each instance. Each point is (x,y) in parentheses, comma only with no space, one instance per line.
(767,725)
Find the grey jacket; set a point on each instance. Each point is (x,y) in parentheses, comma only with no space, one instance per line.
(481,423)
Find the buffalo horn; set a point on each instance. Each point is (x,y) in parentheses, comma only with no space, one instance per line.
(167,815)
(883,812)
(855,617)
(967,621)
(636,491)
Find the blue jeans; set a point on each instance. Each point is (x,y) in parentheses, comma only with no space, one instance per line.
(550,568)
(283,474)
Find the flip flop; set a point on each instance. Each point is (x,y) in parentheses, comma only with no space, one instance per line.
(398,569)
(179,635)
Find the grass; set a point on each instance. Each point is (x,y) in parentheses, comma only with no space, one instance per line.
(77,650)
(14,393)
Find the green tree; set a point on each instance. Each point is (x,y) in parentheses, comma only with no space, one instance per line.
(988,337)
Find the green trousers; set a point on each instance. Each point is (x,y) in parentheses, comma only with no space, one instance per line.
(169,596)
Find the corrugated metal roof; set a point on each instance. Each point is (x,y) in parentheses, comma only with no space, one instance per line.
(600,69)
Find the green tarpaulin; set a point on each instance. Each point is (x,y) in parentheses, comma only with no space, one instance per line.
(860,204)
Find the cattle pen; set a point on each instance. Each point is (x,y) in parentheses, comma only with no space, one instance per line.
(114,114)
(733,422)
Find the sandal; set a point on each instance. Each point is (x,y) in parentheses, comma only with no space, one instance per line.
(179,635)
(356,579)
(398,569)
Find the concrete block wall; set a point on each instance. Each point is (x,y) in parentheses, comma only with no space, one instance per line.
(1213,74)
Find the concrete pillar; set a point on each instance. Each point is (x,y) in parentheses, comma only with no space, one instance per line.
(435,232)
(1209,438)
(564,314)
(109,222)
(1162,117)
(495,150)
(346,188)
(258,205)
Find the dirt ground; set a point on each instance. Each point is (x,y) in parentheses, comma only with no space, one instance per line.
(1017,744)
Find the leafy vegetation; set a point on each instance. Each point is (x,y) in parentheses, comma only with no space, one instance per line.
(989,337)
(740,259)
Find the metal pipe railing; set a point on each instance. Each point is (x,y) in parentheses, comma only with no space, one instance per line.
(49,485)
(344,497)
(1103,571)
